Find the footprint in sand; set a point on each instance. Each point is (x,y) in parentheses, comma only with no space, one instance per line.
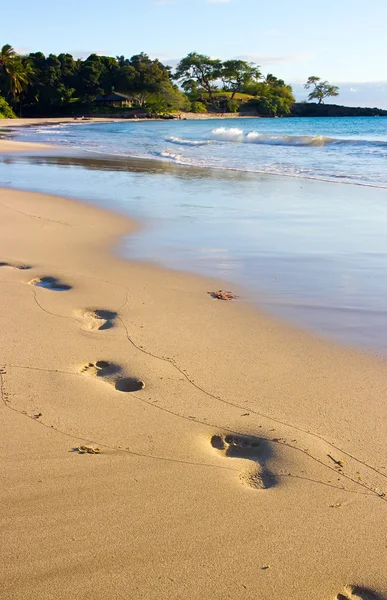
(254,450)
(98,319)
(110,373)
(15,265)
(50,283)
(101,368)
(358,593)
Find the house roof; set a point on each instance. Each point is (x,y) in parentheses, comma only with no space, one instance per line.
(113,97)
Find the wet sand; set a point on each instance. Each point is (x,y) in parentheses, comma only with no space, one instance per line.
(308,251)
(230,455)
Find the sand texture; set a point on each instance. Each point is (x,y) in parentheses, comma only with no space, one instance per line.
(51,121)
(159,443)
(12,146)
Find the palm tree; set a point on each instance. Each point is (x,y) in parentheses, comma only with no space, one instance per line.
(15,72)
(7,55)
(7,59)
(18,77)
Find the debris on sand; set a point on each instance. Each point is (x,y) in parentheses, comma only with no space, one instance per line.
(223,295)
(338,463)
(87,450)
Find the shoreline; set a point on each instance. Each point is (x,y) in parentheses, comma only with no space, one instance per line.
(28,122)
(169,486)
(10,146)
(297,313)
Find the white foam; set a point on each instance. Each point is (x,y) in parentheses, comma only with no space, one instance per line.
(177,158)
(254,137)
(183,142)
(228,135)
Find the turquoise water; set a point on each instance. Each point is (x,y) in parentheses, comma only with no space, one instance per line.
(347,150)
(268,216)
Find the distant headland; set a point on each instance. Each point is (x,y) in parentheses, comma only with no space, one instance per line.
(308,109)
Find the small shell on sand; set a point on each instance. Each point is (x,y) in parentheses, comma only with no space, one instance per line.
(87,450)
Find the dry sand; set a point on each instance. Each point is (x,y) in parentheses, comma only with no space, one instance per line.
(6,123)
(52,121)
(252,464)
(11,146)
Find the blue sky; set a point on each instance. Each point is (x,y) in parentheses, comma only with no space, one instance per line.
(339,40)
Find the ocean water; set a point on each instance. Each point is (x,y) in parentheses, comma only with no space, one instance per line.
(293,211)
(351,150)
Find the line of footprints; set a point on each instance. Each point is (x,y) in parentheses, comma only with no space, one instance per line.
(110,372)
(253,449)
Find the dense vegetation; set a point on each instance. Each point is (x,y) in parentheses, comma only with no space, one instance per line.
(39,85)
(232,86)
(6,111)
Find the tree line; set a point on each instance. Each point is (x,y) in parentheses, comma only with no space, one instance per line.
(59,85)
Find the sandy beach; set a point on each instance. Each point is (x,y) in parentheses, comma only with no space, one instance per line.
(6,123)
(52,121)
(160,443)
(12,146)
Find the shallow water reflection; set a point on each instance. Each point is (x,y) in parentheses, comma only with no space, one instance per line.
(311,251)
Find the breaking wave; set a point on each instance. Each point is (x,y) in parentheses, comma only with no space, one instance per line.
(177,158)
(183,142)
(348,150)
(234,134)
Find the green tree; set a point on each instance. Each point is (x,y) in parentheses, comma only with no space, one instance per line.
(69,70)
(272,100)
(6,111)
(89,78)
(198,107)
(321,89)
(149,77)
(232,106)
(273,81)
(191,87)
(122,61)
(23,76)
(15,73)
(238,74)
(7,55)
(18,78)
(46,87)
(202,69)
(167,99)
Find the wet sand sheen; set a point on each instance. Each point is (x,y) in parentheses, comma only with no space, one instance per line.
(247,461)
(312,252)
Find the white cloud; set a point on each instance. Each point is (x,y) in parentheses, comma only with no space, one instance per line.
(22,50)
(262,60)
(85,53)
(268,60)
